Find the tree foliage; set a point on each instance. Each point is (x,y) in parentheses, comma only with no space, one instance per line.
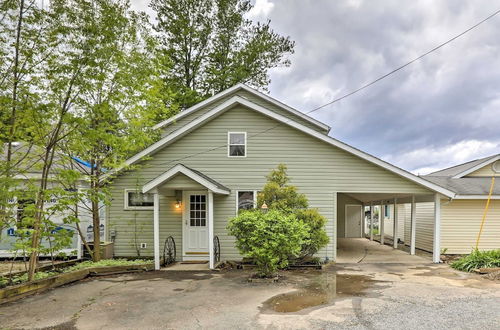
(279,194)
(269,238)
(209,45)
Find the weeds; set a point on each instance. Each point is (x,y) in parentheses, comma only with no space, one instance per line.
(478,259)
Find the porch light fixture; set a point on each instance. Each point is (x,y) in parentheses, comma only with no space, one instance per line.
(178,199)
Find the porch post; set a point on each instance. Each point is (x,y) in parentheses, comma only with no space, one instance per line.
(413,228)
(156,229)
(436,252)
(395,225)
(211,229)
(381,222)
(371,221)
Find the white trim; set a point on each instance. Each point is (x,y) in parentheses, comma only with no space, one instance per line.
(210,220)
(254,191)
(476,197)
(381,223)
(413,225)
(239,100)
(436,246)
(156,230)
(126,207)
(179,168)
(477,167)
(371,221)
(360,220)
(229,144)
(185,219)
(395,225)
(237,87)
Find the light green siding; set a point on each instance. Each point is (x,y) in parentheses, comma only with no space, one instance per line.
(317,168)
(249,96)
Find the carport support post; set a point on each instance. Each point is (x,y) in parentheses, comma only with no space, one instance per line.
(211,229)
(371,221)
(413,226)
(381,222)
(156,229)
(436,252)
(395,225)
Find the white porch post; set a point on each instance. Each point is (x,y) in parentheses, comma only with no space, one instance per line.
(413,227)
(156,229)
(436,253)
(395,225)
(371,221)
(381,223)
(211,229)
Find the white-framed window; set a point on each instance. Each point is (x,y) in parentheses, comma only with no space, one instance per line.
(136,200)
(246,199)
(237,144)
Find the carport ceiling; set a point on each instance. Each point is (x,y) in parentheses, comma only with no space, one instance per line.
(389,197)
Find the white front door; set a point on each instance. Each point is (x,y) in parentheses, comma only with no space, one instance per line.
(195,226)
(353,219)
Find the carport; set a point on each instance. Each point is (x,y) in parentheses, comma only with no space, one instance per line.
(358,223)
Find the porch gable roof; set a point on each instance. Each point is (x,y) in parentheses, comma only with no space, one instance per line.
(193,174)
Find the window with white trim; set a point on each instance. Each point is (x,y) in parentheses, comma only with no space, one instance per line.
(136,200)
(246,199)
(237,144)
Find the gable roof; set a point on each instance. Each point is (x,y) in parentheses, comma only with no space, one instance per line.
(248,89)
(453,178)
(195,175)
(238,100)
(462,170)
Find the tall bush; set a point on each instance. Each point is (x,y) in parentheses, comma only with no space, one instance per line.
(278,194)
(269,238)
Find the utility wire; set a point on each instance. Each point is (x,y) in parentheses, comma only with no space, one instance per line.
(356,90)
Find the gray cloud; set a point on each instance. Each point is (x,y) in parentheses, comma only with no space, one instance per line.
(442,110)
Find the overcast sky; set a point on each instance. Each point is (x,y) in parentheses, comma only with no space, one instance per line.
(439,112)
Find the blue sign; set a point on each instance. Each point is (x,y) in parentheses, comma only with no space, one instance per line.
(11,232)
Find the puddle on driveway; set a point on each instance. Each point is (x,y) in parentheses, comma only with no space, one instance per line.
(321,290)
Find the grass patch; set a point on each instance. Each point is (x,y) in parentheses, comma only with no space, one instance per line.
(478,259)
(5,281)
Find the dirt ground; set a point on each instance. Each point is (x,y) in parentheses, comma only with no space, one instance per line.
(354,296)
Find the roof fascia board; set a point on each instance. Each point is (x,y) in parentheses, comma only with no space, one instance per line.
(476,197)
(222,94)
(187,172)
(237,99)
(477,167)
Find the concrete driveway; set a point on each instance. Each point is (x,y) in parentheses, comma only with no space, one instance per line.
(354,296)
(362,250)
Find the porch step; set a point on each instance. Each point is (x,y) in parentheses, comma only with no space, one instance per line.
(194,262)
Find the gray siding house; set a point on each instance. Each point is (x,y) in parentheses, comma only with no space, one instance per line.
(213,158)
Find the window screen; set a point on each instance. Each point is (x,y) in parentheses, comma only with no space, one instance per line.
(237,144)
(138,199)
(246,200)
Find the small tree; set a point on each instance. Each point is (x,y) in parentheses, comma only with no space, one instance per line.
(279,194)
(269,238)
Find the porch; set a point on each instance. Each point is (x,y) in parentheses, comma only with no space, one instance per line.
(190,199)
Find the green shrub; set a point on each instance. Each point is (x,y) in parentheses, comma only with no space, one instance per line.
(478,259)
(317,234)
(269,238)
(280,195)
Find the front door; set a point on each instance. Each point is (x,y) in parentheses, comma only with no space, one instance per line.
(353,218)
(195,226)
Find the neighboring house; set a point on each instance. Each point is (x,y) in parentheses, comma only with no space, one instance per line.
(461,216)
(30,174)
(213,158)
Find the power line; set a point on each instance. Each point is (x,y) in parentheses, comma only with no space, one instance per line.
(358,89)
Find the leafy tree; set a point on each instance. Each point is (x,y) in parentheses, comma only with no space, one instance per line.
(269,238)
(209,45)
(121,102)
(280,195)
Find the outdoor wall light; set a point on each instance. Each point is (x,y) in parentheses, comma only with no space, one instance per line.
(264,207)
(178,199)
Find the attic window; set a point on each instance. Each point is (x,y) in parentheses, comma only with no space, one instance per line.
(237,144)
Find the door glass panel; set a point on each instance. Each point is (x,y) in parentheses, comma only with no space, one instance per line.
(197,213)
